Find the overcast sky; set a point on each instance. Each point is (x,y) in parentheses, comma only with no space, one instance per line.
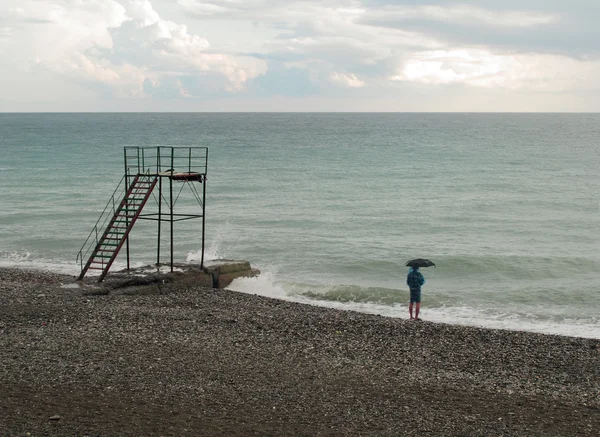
(303,55)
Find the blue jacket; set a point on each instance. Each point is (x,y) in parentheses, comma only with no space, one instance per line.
(415,279)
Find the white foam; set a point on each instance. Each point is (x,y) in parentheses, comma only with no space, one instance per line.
(262,284)
(473,317)
(37,264)
(31,261)
(267,285)
(14,256)
(214,251)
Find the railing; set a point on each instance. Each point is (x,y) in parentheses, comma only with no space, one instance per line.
(150,160)
(100,227)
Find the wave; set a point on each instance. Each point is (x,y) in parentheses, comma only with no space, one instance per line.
(214,250)
(31,260)
(535,315)
(13,256)
(488,268)
(484,267)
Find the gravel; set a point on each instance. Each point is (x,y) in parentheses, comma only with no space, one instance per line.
(167,359)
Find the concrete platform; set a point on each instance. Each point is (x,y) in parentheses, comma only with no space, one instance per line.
(216,274)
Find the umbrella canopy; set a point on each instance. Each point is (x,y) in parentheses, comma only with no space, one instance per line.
(420,262)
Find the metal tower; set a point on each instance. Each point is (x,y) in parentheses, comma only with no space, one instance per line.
(146,168)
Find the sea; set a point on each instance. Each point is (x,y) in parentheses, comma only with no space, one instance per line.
(330,206)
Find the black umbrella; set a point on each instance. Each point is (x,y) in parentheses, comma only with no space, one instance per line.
(420,262)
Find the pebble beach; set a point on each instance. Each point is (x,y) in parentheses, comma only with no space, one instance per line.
(173,359)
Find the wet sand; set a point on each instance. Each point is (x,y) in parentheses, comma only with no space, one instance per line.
(174,360)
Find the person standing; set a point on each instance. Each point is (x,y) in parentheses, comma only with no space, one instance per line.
(414,280)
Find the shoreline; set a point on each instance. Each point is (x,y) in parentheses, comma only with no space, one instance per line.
(544,328)
(187,360)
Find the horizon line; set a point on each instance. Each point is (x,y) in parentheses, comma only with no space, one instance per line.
(299,112)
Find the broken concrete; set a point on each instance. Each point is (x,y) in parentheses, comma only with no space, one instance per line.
(225,271)
(216,274)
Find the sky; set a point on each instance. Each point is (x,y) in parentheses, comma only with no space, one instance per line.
(300,55)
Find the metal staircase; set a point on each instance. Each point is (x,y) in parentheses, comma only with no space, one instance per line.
(104,249)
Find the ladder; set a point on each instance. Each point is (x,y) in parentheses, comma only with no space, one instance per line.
(121,223)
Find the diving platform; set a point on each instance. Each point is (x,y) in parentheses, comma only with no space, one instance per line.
(150,173)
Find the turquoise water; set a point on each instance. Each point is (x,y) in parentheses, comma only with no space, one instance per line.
(330,206)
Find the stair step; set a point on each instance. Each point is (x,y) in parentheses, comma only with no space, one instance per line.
(124,217)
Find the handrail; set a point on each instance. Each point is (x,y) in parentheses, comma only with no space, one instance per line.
(140,160)
(98,230)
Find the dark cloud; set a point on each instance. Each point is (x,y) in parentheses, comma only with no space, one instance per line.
(562,40)
(578,6)
(574,31)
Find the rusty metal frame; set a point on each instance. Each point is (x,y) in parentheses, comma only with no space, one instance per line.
(161,162)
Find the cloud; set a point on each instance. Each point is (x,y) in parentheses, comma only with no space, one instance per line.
(317,49)
(459,14)
(323,37)
(205,9)
(5,32)
(548,26)
(124,80)
(347,79)
(482,68)
(121,45)
(406,42)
